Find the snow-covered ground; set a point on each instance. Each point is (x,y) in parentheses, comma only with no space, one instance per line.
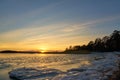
(102,68)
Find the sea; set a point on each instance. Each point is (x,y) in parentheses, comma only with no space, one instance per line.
(63,62)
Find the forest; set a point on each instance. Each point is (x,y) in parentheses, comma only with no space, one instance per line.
(105,44)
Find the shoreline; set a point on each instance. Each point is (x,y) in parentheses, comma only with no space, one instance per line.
(102,68)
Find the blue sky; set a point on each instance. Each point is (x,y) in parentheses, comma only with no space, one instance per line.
(55,24)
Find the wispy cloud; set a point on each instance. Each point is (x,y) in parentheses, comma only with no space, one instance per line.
(60,34)
(29,31)
(14,19)
(105,19)
(78,26)
(58,29)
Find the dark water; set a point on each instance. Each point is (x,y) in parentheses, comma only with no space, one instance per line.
(62,62)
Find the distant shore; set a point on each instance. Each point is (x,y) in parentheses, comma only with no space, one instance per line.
(52,52)
(12,51)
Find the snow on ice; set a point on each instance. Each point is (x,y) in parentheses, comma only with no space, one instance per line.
(102,68)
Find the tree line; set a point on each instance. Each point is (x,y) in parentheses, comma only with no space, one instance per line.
(105,44)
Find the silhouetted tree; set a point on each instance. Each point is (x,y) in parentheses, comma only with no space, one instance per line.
(76,48)
(107,43)
(90,45)
(115,41)
(84,47)
(98,44)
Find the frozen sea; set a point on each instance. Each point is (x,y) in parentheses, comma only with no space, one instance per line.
(62,62)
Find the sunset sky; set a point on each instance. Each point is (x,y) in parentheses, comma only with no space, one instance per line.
(55,24)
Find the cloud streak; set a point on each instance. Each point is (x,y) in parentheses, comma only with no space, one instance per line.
(34,13)
(60,34)
(79,26)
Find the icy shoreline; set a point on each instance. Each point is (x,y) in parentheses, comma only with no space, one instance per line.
(102,68)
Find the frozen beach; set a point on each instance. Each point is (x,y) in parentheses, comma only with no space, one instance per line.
(102,68)
(95,66)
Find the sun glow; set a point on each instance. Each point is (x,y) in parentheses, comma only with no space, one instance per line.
(43,49)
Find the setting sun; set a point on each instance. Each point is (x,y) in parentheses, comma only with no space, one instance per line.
(43,49)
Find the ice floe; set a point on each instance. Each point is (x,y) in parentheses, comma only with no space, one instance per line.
(33,73)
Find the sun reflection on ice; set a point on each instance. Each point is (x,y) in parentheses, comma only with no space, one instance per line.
(42,55)
(86,62)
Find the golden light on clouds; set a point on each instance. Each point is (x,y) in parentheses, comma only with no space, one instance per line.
(48,37)
(55,24)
